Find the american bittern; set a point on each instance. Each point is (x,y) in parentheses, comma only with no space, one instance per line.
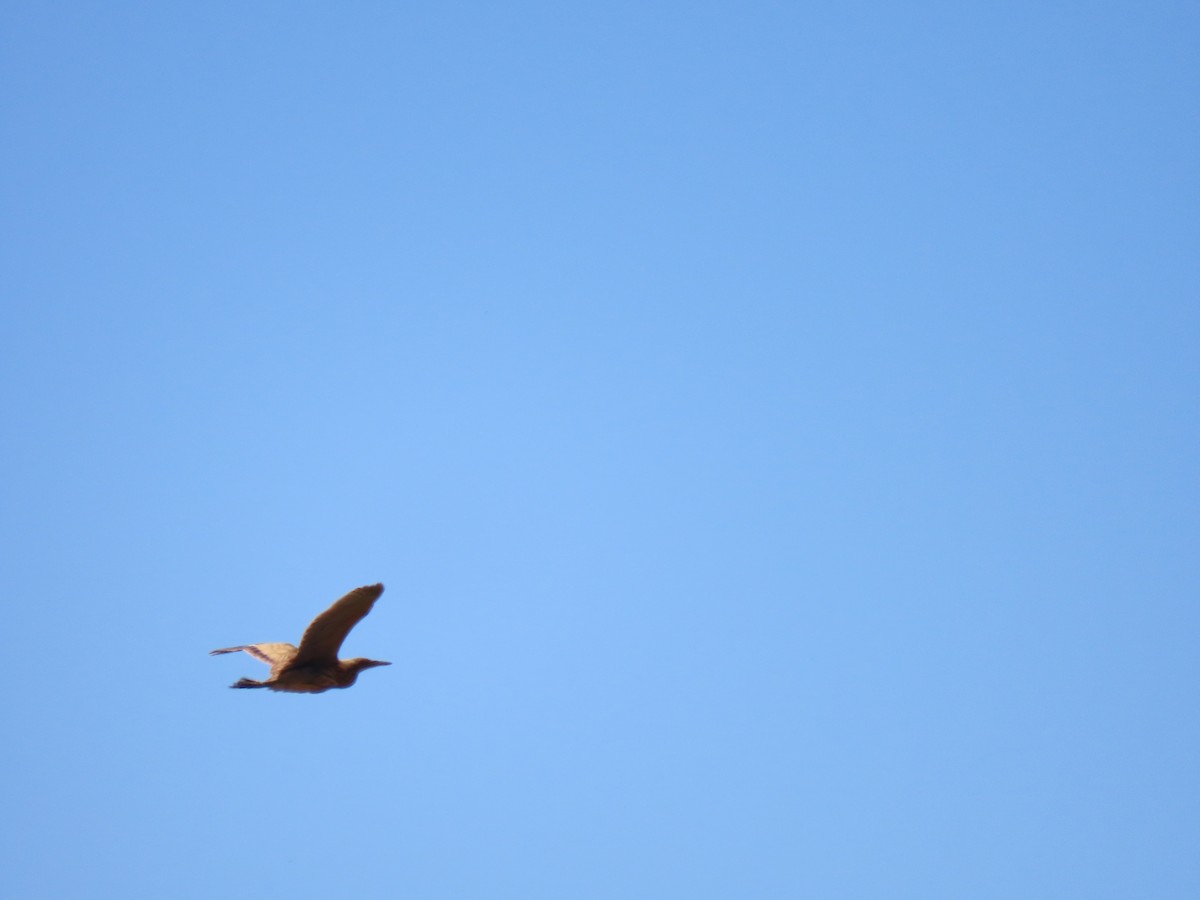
(314,667)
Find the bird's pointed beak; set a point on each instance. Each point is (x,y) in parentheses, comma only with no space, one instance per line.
(378,662)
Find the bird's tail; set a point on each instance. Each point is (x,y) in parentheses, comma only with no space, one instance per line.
(248,683)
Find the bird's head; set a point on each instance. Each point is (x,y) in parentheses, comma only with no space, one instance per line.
(358,664)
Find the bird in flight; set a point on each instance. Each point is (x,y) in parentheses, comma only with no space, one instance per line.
(314,667)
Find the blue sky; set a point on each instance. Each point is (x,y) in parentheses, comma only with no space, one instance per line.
(775,425)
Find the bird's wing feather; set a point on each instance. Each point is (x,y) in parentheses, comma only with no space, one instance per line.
(324,636)
(271,654)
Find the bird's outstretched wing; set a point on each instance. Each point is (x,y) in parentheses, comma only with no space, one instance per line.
(324,636)
(272,654)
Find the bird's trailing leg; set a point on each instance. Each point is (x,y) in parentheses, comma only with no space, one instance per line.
(248,683)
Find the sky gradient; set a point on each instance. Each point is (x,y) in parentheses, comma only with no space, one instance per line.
(775,425)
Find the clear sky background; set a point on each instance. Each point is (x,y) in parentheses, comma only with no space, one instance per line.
(775,425)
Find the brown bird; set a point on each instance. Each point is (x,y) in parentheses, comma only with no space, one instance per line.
(314,667)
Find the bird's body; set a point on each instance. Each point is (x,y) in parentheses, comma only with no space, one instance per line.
(314,667)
